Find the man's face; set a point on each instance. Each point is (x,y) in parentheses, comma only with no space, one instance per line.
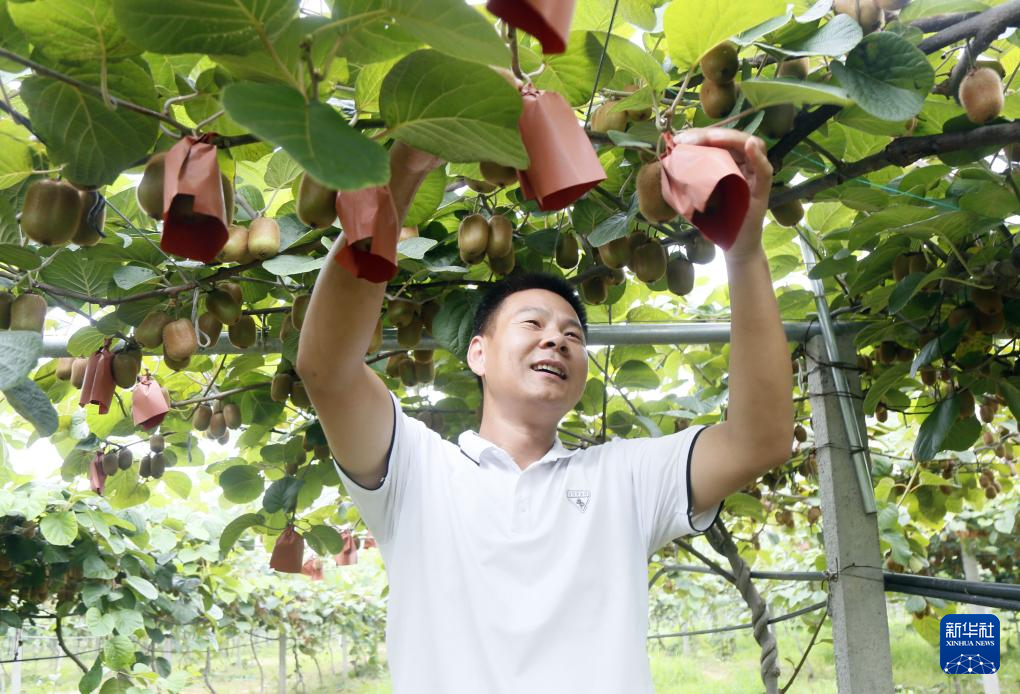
(533,354)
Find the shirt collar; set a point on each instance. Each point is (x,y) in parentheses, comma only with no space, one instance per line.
(481,450)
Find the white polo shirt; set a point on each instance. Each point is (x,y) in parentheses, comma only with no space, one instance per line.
(505,581)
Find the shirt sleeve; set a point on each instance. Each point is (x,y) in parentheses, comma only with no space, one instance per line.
(660,474)
(381,508)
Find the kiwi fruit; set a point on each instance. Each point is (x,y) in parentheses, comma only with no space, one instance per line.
(980,95)
(424,372)
(78,371)
(400,312)
(718,98)
(966,400)
(900,267)
(888,351)
(497,174)
(201,417)
(594,290)
(156,443)
(222,304)
(89,231)
(316,203)
(927,373)
(407,233)
(865,12)
(424,355)
(483,187)
(408,373)
(567,250)
(653,206)
(232,415)
(503,265)
(145,466)
(429,311)
(279,390)
(604,118)
(800,433)
(299,396)
(264,238)
(700,250)
(796,68)
(616,253)
(299,309)
(501,237)
(211,326)
(987,301)
(788,214)
(50,212)
(648,261)
(28,312)
(63,371)
(179,340)
(235,250)
(6,299)
(217,425)
(243,333)
(127,364)
(149,332)
(636,115)
(393,364)
(473,238)
(409,335)
(777,120)
(990,324)
(150,189)
(614,277)
(680,275)
(110,466)
(917,263)
(157,465)
(124,458)
(960,314)
(720,64)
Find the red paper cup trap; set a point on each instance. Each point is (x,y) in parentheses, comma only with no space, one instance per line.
(97,388)
(546,20)
(313,569)
(564,165)
(706,186)
(349,554)
(194,216)
(148,404)
(97,477)
(370,225)
(288,552)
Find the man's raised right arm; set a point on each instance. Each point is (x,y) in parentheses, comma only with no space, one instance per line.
(351,401)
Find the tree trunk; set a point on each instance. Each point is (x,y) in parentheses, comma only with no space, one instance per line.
(255,654)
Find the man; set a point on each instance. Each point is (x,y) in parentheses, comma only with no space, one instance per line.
(516,565)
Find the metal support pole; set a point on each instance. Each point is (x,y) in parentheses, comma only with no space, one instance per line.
(860,627)
(855,429)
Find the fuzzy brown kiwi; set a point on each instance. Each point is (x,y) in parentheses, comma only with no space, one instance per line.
(78,371)
(717,99)
(63,372)
(223,305)
(124,458)
(110,466)
(501,237)
(900,267)
(145,466)
(594,290)
(483,187)
(50,212)
(567,250)
(299,309)
(700,250)
(316,203)
(796,68)
(497,174)
(89,230)
(28,312)
(778,120)
(636,115)
(393,364)
(299,396)
(981,95)
(157,465)
(232,415)
(988,301)
(409,335)
(473,238)
(648,261)
(788,214)
(127,364)
(400,312)
(604,118)
(209,324)
(927,373)
(653,206)
(679,275)
(156,443)
(200,420)
(990,324)
(217,425)
(243,333)
(236,248)
(865,12)
(279,390)
(503,266)
(424,355)
(616,253)
(179,339)
(408,374)
(149,332)
(6,300)
(721,64)
(917,263)
(264,238)
(150,189)
(424,372)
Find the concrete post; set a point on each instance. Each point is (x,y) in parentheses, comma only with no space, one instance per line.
(860,627)
(971,573)
(281,675)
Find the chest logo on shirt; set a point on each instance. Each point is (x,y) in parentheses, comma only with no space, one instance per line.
(579,498)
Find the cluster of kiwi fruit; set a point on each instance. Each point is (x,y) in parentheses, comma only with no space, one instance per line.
(983,311)
(116,460)
(479,238)
(494,177)
(215,420)
(412,369)
(609,116)
(719,68)
(643,254)
(410,318)
(154,463)
(55,213)
(259,241)
(27,311)
(286,385)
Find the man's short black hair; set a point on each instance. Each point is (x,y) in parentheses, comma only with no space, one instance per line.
(500,290)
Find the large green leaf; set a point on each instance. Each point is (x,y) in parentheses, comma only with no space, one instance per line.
(15,156)
(636,374)
(20,350)
(28,400)
(94,142)
(765,92)
(125,490)
(119,652)
(178,482)
(836,37)
(324,539)
(460,111)
(200,26)
(693,28)
(314,134)
(627,56)
(234,528)
(241,483)
(60,528)
(452,325)
(890,377)
(282,494)
(73,30)
(427,199)
(572,73)
(284,265)
(450,26)
(887,76)
(79,272)
(935,428)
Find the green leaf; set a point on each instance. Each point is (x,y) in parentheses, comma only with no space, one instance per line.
(887,76)
(315,135)
(94,142)
(906,289)
(119,684)
(127,622)
(15,159)
(234,528)
(281,170)
(282,495)
(73,30)
(28,400)
(636,374)
(79,272)
(142,587)
(572,73)
(199,26)
(743,504)
(325,540)
(452,27)
(130,276)
(178,482)
(284,265)
(462,112)
(1012,395)
(415,247)
(934,429)
(610,229)
(98,623)
(890,377)
(124,490)
(20,349)
(241,483)
(764,92)
(694,28)
(19,256)
(452,325)
(837,37)
(626,56)
(95,567)
(943,344)
(59,528)
(91,679)
(928,8)
(427,199)
(85,341)
(118,653)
